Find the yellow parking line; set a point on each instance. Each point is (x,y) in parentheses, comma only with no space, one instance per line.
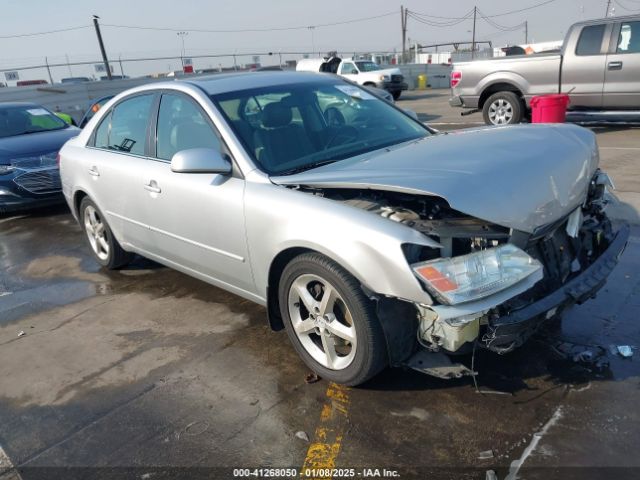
(327,441)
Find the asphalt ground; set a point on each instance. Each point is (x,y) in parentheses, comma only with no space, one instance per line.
(146,373)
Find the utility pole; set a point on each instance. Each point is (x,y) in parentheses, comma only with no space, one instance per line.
(120,62)
(526,32)
(102,50)
(473,41)
(606,14)
(46,61)
(403,23)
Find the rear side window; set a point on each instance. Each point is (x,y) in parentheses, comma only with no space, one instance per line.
(590,41)
(124,129)
(629,39)
(181,126)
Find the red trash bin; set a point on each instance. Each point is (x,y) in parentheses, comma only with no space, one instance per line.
(549,108)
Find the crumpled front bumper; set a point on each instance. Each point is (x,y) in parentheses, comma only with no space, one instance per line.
(510,331)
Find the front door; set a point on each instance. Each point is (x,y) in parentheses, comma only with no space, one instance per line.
(196,219)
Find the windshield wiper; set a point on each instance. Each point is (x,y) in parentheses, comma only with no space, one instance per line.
(304,168)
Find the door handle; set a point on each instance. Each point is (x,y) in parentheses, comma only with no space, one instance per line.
(94,172)
(615,66)
(152,187)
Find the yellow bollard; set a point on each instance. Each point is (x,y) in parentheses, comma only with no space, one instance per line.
(422,81)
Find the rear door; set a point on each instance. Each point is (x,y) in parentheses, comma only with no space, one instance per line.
(622,77)
(119,148)
(583,65)
(196,219)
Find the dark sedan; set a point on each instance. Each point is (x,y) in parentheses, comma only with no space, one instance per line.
(30,138)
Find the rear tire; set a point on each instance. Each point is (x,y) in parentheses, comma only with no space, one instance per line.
(104,246)
(329,320)
(503,108)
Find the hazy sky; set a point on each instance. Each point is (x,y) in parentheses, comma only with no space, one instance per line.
(548,22)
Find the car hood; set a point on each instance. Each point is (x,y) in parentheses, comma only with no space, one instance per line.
(388,71)
(34,143)
(520,177)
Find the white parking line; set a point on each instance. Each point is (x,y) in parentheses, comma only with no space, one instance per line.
(516,465)
(12,218)
(7,470)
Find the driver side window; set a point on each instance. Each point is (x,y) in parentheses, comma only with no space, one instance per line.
(182,125)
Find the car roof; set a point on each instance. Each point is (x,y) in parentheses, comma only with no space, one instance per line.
(598,21)
(231,82)
(19,104)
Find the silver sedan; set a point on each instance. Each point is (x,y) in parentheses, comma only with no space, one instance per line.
(370,238)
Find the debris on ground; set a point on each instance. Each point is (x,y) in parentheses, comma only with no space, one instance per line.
(21,333)
(491,475)
(486,455)
(625,351)
(587,355)
(311,378)
(302,436)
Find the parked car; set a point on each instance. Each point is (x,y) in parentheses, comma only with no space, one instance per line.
(598,67)
(365,73)
(374,241)
(75,80)
(30,138)
(93,109)
(29,83)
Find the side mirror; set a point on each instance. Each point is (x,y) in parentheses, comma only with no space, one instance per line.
(411,113)
(354,72)
(200,160)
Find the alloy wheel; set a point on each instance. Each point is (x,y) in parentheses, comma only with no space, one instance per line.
(500,112)
(96,232)
(322,321)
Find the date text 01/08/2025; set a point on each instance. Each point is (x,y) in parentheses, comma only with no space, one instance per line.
(313,473)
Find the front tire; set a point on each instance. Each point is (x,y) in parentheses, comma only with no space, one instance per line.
(104,246)
(329,320)
(503,108)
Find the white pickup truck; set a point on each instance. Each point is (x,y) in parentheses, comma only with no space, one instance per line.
(362,72)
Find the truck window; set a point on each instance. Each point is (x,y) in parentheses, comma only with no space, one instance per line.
(629,39)
(590,41)
(348,68)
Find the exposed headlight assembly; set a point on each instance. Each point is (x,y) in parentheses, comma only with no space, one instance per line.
(476,275)
(385,78)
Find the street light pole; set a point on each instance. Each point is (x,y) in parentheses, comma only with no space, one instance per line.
(102,50)
(313,43)
(181,35)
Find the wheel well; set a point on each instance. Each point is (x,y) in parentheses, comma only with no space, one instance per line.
(369,84)
(275,273)
(77,199)
(495,88)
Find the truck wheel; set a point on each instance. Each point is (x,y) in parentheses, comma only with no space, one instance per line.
(104,246)
(503,108)
(396,94)
(329,320)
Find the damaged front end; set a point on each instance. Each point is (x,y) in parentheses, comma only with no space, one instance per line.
(494,286)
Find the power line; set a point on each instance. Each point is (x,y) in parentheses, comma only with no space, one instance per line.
(511,12)
(625,7)
(433,23)
(21,35)
(498,26)
(248,30)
